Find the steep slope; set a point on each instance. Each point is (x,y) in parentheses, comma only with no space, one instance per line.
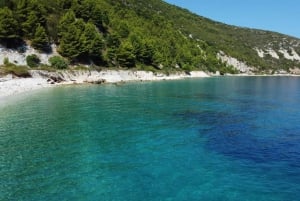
(261,49)
(142,34)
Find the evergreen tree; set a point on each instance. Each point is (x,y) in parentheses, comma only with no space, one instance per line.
(86,9)
(113,41)
(52,27)
(40,40)
(146,54)
(7,3)
(76,8)
(143,49)
(87,38)
(97,48)
(80,25)
(125,55)
(31,13)
(123,30)
(22,13)
(70,46)
(99,18)
(113,44)
(8,25)
(39,9)
(67,19)
(30,25)
(91,43)
(105,18)
(65,4)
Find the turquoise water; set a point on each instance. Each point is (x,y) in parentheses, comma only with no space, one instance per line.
(234,139)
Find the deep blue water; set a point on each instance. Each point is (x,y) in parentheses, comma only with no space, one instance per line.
(227,139)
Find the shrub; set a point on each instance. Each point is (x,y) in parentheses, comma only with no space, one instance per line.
(58,62)
(5,61)
(19,71)
(33,60)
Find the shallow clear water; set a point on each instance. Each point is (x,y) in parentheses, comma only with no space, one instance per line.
(207,139)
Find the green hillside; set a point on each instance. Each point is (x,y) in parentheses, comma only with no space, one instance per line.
(139,34)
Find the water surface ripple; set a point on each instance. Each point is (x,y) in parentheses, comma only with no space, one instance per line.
(200,139)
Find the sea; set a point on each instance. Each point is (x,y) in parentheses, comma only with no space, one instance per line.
(210,139)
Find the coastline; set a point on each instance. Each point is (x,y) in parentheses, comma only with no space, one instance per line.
(10,85)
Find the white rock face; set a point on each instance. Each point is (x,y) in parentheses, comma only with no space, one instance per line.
(272,53)
(239,65)
(260,53)
(292,56)
(295,71)
(19,58)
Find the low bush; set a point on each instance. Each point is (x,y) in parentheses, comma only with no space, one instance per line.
(5,61)
(58,62)
(19,71)
(33,61)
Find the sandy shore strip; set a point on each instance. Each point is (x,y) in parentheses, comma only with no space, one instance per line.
(10,85)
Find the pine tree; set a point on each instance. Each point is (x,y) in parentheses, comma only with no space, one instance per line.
(113,41)
(69,32)
(30,25)
(39,9)
(67,19)
(91,43)
(146,53)
(96,51)
(70,46)
(31,13)
(143,49)
(65,4)
(7,3)
(123,30)
(8,25)
(125,55)
(86,9)
(98,18)
(87,38)
(97,45)
(52,27)
(40,40)
(113,44)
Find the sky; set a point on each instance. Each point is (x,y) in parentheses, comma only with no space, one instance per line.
(281,16)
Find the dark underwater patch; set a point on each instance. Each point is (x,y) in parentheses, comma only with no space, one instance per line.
(238,136)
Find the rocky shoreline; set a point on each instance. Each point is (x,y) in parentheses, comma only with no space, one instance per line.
(10,85)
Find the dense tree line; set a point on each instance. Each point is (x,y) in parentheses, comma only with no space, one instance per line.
(104,32)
